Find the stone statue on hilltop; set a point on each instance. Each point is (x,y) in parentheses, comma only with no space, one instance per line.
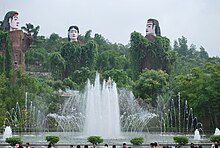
(73,33)
(152,51)
(152,29)
(78,54)
(19,40)
(11,22)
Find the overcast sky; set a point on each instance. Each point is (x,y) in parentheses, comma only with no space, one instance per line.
(197,20)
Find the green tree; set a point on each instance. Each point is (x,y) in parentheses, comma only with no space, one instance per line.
(36,58)
(81,76)
(203,53)
(70,84)
(77,56)
(88,35)
(3,85)
(138,52)
(182,49)
(191,59)
(150,84)
(201,88)
(5,56)
(3,94)
(147,54)
(119,76)
(71,53)
(54,43)
(110,59)
(181,46)
(30,29)
(100,40)
(57,65)
(88,54)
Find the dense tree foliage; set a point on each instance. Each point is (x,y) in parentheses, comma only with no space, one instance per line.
(146,54)
(57,65)
(77,56)
(120,77)
(150,84)
(111,59)
(201,88)
(151,69)
(81,76)
(30,29)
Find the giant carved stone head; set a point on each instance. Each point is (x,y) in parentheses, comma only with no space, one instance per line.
(73,33)
(11,22)
(152,27)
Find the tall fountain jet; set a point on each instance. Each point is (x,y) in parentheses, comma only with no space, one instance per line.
(102,110)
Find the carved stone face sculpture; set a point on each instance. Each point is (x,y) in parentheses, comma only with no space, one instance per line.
(10,21)
(73,33)
(152,27)
(14,23)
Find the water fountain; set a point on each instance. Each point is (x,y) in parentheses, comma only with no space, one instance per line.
(102,110)
(25,118)
(217,131)
(7,132)
(197,135)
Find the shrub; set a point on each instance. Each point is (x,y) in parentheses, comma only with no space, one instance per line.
(53,139)
(95,139)
(215,138)
(137,141)
(14,140)
(182,140)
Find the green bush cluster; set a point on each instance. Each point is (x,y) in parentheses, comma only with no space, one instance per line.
(182,140)
(215,138)
(53,139)
(14,140)
(95,139)
(137,141)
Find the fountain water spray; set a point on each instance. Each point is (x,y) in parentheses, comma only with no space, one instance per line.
(7,133)
(217,131)
(197,135)
(102,110)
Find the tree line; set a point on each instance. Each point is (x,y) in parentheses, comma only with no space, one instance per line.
(149,69)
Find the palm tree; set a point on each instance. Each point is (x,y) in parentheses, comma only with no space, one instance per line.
(30,29)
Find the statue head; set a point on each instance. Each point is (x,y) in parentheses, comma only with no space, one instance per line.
(10,21)
(152,27)
(73,33)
